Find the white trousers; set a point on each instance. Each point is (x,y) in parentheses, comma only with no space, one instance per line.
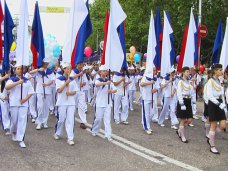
(53,98)
(165,109)
(65,113)
(147,113)
(43,105)
(120,100)
(32,106)
(5,115)
(87,95)
(81,105)
(155,111)
(18,121)
(131,95)
(105,114)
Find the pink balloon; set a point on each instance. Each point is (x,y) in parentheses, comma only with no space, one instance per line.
(88,52)
(145,55)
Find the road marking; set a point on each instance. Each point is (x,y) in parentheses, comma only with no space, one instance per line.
(155,154)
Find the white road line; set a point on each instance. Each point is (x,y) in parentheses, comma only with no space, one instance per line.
(150,152)
(132,150)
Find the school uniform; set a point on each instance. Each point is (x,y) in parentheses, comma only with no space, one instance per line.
(120,99)
(103,108)
(4,109)
(132,90)
(19,111)
(185,96)
(148,109)
(66,108)
(139,78)
(44,96)
(87,88)
(215,94)
(80,96)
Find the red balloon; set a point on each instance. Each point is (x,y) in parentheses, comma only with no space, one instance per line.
(88,52)
(202,68)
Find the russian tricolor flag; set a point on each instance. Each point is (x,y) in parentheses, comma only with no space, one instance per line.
(217,45)
(37,40)
(1,20)
(83,34)
(105,37)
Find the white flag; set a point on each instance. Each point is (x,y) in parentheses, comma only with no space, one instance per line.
(224,51)
(166,47)
(114,54)
(151,52)
(22,50)
(190,44)
(78,14)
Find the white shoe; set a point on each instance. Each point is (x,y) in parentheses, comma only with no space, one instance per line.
(148,132)
(166,118)
(33,120)
(191,125)
(131,109)
(70,142)
(38,127)
(22,144)
(117,122)
(195,117)
(125,122)
(56,137)
(51,113)
(174,127)
(45,126)
(109,139)
(94,134)
(162,125)
(7,132)
(14,137)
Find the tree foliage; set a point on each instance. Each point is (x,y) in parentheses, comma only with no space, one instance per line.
(138,17)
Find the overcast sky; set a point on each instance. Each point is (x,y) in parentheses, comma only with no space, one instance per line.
(53,23)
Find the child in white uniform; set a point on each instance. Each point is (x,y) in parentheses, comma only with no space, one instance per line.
(66,88)
(103,106)
(19,104)
(132,87)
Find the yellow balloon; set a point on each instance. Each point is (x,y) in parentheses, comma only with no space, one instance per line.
(13,47)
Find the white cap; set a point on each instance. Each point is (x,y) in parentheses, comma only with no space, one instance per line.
(46,60)
(90,67)
(131,67)
(172,69)
(142,68)
(102,68)
(85,67)
(17,65)
(64,64)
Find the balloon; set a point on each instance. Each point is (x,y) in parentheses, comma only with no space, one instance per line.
(131,57)
(88,52)
(132,49)
(137,58)
(177,58)
(145,55)
(13,46)
(202,68)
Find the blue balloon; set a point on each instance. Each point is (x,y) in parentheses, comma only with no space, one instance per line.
(56,51)
(137,58)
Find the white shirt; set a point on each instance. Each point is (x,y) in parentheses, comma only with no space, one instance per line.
(214,90)
(132,85)
(146,90)
(47,79)
(15,93)
(62,98)
(78,80)
(120,87)
(102,95)
(184,88)
(205,94)
(167,89)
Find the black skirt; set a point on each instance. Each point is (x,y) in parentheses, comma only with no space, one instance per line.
(185,114)
(215,113)
(205,112)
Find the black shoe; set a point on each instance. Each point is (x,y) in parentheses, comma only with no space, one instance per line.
(83,126)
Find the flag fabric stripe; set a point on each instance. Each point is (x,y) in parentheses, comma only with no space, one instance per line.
(8,38)
(105,37)
(151,47)
(22,50)
(114,55)
(224,51)
(158,32)
(1,20)
(184,42)
(37,40)
(121,31)
(78,14)
(217,45)
(166,47)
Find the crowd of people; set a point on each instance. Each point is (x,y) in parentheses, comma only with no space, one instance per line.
(64,91)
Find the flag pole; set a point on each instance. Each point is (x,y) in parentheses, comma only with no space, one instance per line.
(109,78)
(199,24)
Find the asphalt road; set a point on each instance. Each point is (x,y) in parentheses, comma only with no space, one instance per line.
(132,149)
